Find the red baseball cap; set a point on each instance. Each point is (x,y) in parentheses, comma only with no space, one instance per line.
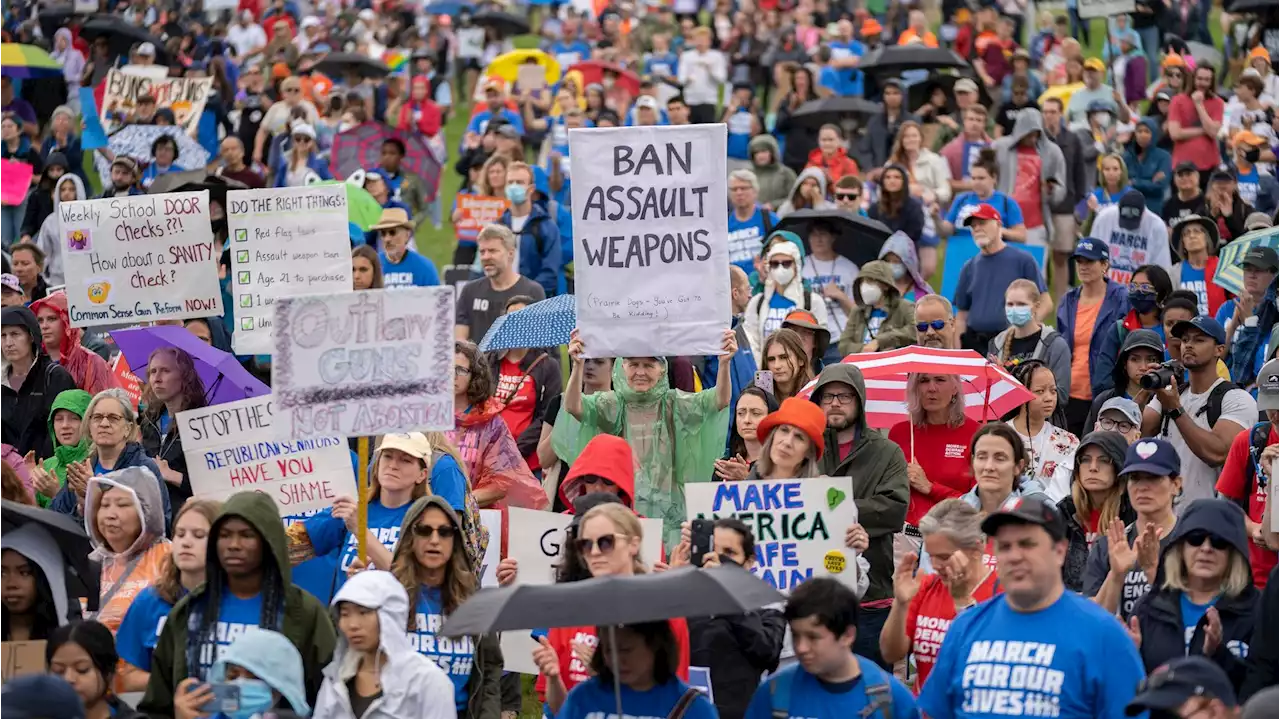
(984,212)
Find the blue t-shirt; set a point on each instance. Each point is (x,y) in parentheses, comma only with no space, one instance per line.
(1192,613)
(234,616)
(594,699)
(1247,184)
(983,280)
(140,629)
(413,270)
(1109,198)
(662,65)
(746,239)
(328,533)
(873,324)
(455,656)
(998,662)
(569,54)
(966,202)
(1194,280)
(812,697)
(482,118)
(969,154)
(779,307)
(849,80)
(740,126)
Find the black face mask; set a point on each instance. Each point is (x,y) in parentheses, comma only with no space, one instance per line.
(1252,156)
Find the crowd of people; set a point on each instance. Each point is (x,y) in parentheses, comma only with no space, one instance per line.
(1089,205)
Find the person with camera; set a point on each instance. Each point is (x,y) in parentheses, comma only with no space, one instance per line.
(1142,348)
(1247,471)
(738,648)
(1202,419)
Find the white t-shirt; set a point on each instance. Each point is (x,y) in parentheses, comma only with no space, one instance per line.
(1198,478)
(246,39)
(840,271)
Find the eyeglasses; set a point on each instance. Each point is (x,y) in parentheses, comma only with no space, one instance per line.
(774,264)
(110,419)
(838,398)
(292,90)
(301,139)
(424,531)
(936,325)
(606,542)
(461,371)
(1197,538)
(848,196)
(1141,287)
(1115,425)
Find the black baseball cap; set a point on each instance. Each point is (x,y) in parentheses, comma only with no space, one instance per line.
(1185,166)
(1131,207)
(1261,257)
(1171,685)
(1027,510)
(1221,175)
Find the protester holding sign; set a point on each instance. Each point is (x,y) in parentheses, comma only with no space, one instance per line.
(433,567)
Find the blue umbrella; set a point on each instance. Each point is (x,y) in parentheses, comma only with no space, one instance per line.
(1230,275)
(449,7)
(542,324)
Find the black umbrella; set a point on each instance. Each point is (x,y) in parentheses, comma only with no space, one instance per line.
(894,59)
(338,64)
(52,17)
(1242,6)
(83,576)
(858,238)
(919,93)
(122,36)
(685,592)
(833,110)
(504,22)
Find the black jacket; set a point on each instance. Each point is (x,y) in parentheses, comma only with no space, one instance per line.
(24,412)
(799,138)
(167,446)
(1114,445)
(546,385)
(1073,157)
(1263,669)
(1159,613)
(737,649)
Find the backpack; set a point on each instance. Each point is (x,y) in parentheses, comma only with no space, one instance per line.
(1212,409)
(875,683)
(475,536)
(1257,442)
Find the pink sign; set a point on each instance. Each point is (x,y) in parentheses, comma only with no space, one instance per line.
(15,180)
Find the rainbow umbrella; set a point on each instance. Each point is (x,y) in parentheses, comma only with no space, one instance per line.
(507,65)
(25,62)
(1230,275)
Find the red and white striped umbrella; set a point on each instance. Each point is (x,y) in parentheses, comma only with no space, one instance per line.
(989,391)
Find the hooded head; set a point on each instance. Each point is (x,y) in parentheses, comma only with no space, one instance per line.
(75,401)
(271,657)
(461,577)
(144,489)
(1136,339)
(879,271)
(261,513)
(34,542)
(1027,121)
(810,173)
(604,456)
(763,143)
(72,178)
(847,374)
(71,336)
(1220,519)
(900,244)
(23,317)
(382,593)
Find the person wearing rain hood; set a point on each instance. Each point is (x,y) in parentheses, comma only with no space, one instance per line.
(35,585)
(1097,498)
(1027,153)
(67,188)
(900,252)
(882,320)
(30,383)
(775,179)
(375,673)
(62,343)
(266,668)
(124,517)
(1195,239)
(1150,167)
(248,584)
(71,444)
(433,571)
(809,192)
(784,290)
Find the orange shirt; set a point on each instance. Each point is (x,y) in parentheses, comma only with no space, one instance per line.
(928,38)
(144,574)
(1086,318)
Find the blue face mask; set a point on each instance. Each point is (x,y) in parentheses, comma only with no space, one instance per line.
(255,698)
(1018,316)
(1142,302)
(517,194)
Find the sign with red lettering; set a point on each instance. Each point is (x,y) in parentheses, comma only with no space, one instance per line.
(140,258)
(232,448)
(127,380)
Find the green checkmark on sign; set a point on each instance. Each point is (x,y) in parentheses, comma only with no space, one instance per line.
(835,497)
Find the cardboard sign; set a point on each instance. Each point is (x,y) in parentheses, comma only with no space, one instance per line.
(127,380)
(361,364)
(799,524)
(284,243)
(492,520)
(15,181)
(1104,8)
(185,96)
(230,448)
(21,658)
(531,77)
(140,258)
(651,249)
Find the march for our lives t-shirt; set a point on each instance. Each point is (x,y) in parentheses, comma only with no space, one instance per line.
(138,633)
(455,656)
(413,270)
(234,616)
(593,699)
(998,662)
(1194,280)
(746,238)
(812,697)
(779,307)
(841,272)
(328,533)
(967,202)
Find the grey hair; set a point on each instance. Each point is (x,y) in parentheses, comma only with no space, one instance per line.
(915,411)
(958,521)
(935,299)
(808,466)
(498,232)
(119,395)
(746,176)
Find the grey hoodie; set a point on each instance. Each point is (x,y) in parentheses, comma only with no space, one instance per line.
(1053,168)
(775,178)
(816,173)
(1052,350)
(47,239)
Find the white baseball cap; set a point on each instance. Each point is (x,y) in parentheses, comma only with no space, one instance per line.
(146,49)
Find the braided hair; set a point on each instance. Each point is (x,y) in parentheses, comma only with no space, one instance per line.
(1024,372)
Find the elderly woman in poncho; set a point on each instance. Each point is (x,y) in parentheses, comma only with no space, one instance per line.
(676,436)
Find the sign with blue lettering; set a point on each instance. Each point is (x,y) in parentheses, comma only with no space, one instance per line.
(799,524)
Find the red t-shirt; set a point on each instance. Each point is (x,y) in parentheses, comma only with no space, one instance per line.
(943,453)
(1201,150)
(521,397)
(1026,188)
(573,672)
(1231,485)
(929,616)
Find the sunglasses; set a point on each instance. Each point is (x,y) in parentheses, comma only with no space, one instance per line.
(606,543)
(1197,539)
(936,325)
(424,531)
(781,263)
(848,196)
(301,138)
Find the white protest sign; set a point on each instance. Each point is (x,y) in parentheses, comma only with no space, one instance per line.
(360,364)
(651,229)
(799,524)
(1104,8)
(230,448)
(284,243)
(139,259)
(185,96)
(492,521)
(537,544)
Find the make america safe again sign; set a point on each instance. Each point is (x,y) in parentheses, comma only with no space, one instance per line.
(651,247)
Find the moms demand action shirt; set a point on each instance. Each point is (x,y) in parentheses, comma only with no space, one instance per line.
(929,616)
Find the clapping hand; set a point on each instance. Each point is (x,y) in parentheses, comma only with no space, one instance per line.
(906,582)
(78,475)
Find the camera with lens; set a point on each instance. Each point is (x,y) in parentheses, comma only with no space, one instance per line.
(1161,377)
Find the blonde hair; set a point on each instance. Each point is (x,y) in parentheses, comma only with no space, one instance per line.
(625,522)
(1034,293)
(1238,578)
(1109,510)
(915,411)
(169,584)
(958,521)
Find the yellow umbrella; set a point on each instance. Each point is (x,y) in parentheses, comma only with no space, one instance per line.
(507,65)
(1062,92)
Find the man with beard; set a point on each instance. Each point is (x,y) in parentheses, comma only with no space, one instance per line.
(880,490)
(936,323)
(124,178)
(483,300)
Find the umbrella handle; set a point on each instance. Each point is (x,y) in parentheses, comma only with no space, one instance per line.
(362,511)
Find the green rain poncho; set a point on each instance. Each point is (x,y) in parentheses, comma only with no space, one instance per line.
(676,437)
(77,401)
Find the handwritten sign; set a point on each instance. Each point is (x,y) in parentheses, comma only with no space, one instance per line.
(139,258)
(651,245)
(126,379)
(492,521)
(284,243)
(360,364)
(799,524)
(229,448)
(476,211)
(1104,8)
(185,96)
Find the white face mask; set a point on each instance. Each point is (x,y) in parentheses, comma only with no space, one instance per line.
(783,275)
(899,270)
(870,292)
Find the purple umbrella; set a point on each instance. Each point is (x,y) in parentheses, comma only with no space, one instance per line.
(225,380)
